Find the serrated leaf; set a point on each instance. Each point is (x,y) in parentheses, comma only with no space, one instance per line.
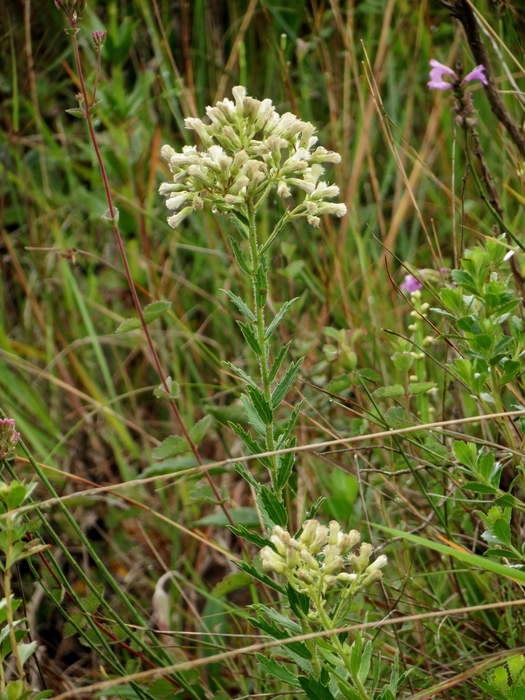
(241,469)
(170,447)
(389,392)
(274,670)
(278,361)
(299,602)
(241,373)
(151,312)
(250,337)
(250,444)
(286,462)
(273,631)
(252,415)
(199,430)
(261,405)
(277,617)
(290,424)
(286,382)
(263,578)
(241,223)
(239,303)
(278,318)
(272,509)
(249,536)
(314,690)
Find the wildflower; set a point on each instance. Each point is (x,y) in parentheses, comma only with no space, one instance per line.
(73,9)
(8,437)
(314,560)
(99,38)
(411,284)
(248,150)
(439,71)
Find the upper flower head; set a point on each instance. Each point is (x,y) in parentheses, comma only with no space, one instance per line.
(439,70)
(248,150)
(8,437)
(411,284)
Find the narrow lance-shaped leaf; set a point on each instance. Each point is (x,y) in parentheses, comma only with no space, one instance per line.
(278,362)
(250,337)
(151,312)
(239,303)
(286,382)
(277,320)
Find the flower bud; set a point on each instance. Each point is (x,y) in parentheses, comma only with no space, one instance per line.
(271,561)
(99,38)
(8,437)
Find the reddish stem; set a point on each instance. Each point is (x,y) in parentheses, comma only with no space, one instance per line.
(122,251)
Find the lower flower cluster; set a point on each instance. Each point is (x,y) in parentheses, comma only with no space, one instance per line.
(315,560)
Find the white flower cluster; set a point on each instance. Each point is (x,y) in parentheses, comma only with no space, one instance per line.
(314,561)
(248,149)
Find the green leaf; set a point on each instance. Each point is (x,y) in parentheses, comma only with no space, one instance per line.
(278,362)
(278,318)
(253,417)
(355,654)
(274,670)
(241,223)
(420,387)
(478,487)
(466,453)
(364,667)
(315,508)
(151,312)
(370,375)
(170,447)
(239,303)
(261,405)
(250,444)
(250,337)
(389,392)
(277,617)
(15,689)
(261,283)
(299,602)
(501,553)
(241,469)
(26,650)
(200,429)
(240,516)
(232,582)
(241,373)
(76,112)
(273,631)
(501,529)
(272,510)
(509,370)
(263,578)
(315,690)
(286,382)
(290,424)
(173,390)
(286,462)
(249,536)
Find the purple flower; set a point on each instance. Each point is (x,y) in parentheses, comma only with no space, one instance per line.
(8,437)
(411,284)
(439,70)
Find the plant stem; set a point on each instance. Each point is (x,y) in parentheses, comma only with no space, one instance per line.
(9,611)
(261,338)
(328,625)
(120,244)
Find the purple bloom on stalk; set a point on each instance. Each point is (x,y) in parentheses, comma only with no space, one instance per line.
(8,437)
(439,70)
(411,284)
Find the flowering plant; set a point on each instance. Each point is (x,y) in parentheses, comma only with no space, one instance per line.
(249,149)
